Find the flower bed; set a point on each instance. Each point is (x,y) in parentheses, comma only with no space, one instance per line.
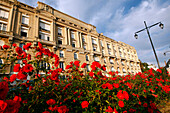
(79,91)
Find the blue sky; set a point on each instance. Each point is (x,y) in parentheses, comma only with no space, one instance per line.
(120,19)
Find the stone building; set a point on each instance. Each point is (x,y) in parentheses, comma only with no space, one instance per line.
(70,38)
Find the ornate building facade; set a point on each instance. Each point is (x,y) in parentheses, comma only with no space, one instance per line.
(70,38)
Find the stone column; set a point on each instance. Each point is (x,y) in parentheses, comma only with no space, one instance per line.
(81,42)
(69,37)
(66,36)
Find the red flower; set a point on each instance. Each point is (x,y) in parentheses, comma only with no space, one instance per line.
(3,105)
(13,77)
(124,111)
(21,76)
(84,104)
(132,110)
(16,68)
(104,68)
(116,85)
(145,105)
(46,112)
(3,90)
(121,104)
(120,95)
(126,95)
(91,74)
(109,109)
(77,63)
(62,109)
(153,106)
(14,44)
(17,98)
(19,50)
(29,57)
(50,101)
(104,86)
(27,68)
(12,106)
(83,65)
(6,46)
(27,46)
(38,55)
(158,70)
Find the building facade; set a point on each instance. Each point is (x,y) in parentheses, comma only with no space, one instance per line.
(71,39)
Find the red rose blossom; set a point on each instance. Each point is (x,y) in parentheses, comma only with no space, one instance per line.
(13,77)
(121,104)
(50,101)
(83,65)
(16,68)
(3,105)
(84,104)
(3,90)
(6,46)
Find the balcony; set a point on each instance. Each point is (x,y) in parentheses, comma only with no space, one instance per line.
(5,33)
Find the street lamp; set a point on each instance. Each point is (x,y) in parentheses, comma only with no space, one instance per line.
(147,29)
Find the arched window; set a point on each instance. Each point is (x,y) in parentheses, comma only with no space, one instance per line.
(75,56)
(1,63)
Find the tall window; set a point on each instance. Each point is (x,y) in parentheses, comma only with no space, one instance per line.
(87,58)
(84,46)
(44,36)
(111,61)
(3,26)
(24,31)
(104,60)
(87,66)
(73,44)
(83,39)
(75,56)
(101,43)
(61,65)
(118,69)
(94,48)
(96,58)
(44,25)
(60,40)
(124,71)
(1,63)
(59,31)
(4,14)
(25,19)
(72,35)
(108,46)
(61,53)
(112,69)
(94,41)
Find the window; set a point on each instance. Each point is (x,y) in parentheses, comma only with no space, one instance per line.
(2,43)
(84,47)
(24,31)
(118,69)
(87,58)
(61,65)
(117,63)
(83,39)
(96,58)
(75,56)
(73,44)
(108,46)
(101,43)
(94,48)
(44,25)
(4,14)
(122,63)
(124,71)
(94,41)
(87,66)
(104,60)
(3,26)
(1,63)
(112,69)
(59,31)
(44,36)
(72,35)
(111,61)
(59,40)
(25,19)
(103,51)
(61,53)
(109,52)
